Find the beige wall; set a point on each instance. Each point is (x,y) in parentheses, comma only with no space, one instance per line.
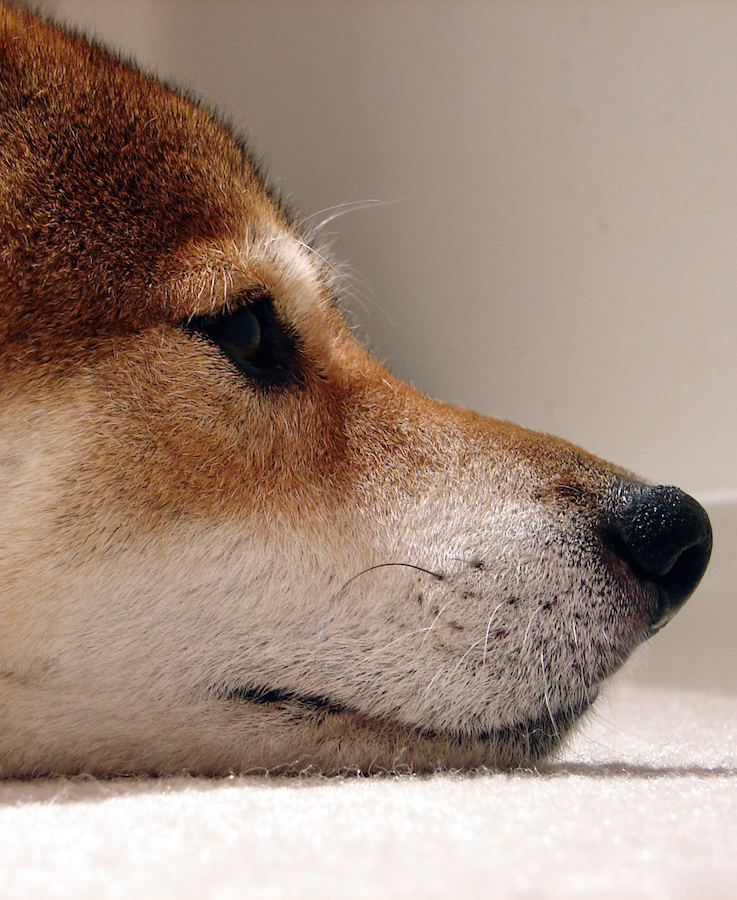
(557,238)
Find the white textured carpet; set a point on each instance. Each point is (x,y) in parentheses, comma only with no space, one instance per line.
(642,804)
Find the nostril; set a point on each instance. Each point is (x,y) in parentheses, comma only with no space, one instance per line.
(658,524)
(665,535)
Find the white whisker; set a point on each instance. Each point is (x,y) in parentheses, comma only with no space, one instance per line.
(547,698)
(488,630)
(340,209)
(398,640)
(432,624)
(527,630)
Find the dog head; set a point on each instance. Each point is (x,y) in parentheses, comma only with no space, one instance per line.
(231,540)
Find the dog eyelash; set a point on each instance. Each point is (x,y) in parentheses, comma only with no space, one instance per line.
(252,338)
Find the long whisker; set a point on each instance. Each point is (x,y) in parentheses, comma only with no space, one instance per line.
(402,637)
(527,630)
(432,624)
(438,575)
(455,668)
(435,677)
(547,698)
(340,209)
(488,630)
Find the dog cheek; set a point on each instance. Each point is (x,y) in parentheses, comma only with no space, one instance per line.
(168,441)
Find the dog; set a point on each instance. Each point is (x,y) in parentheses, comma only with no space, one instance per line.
(231,540)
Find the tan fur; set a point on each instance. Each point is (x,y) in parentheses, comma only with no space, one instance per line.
(174,536)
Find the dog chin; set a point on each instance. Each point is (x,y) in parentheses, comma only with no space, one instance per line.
(347,741)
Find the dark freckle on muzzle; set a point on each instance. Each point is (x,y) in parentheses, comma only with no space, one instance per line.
(665,537)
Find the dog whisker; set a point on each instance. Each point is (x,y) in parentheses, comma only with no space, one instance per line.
(345,279)
(373,568)
(440,671)
(488,630)
(328,263)
(527,630)
(546,694)
(339,210)
(463,658)
(434,621)
(453,670)
(437,575)
(399,640)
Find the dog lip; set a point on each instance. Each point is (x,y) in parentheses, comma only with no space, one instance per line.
(265,696)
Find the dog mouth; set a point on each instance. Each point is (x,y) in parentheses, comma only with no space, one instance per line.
(279,697)
(517,745)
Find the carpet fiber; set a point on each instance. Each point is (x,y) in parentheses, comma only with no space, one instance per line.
(643,804)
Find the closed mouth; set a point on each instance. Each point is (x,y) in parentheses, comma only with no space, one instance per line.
(264,696)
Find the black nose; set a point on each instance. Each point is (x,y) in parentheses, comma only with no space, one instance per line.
(665,536)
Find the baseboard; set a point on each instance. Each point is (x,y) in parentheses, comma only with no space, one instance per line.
(697,650)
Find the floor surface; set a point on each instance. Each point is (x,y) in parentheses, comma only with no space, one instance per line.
(643,804)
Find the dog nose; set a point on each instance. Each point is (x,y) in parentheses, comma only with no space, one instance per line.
(665,536)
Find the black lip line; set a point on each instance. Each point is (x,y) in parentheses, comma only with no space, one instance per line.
(264,696)
(560,721)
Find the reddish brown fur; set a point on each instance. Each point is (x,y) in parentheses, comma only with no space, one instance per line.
(108,182)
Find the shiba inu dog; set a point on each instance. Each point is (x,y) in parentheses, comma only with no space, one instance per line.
(230,540)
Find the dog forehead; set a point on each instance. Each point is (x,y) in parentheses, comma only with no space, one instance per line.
(121,199)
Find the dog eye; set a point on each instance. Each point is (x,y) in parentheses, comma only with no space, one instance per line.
(252,338)
(238,334)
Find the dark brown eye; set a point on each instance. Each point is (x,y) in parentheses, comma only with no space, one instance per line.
(238,334)
(252,338)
